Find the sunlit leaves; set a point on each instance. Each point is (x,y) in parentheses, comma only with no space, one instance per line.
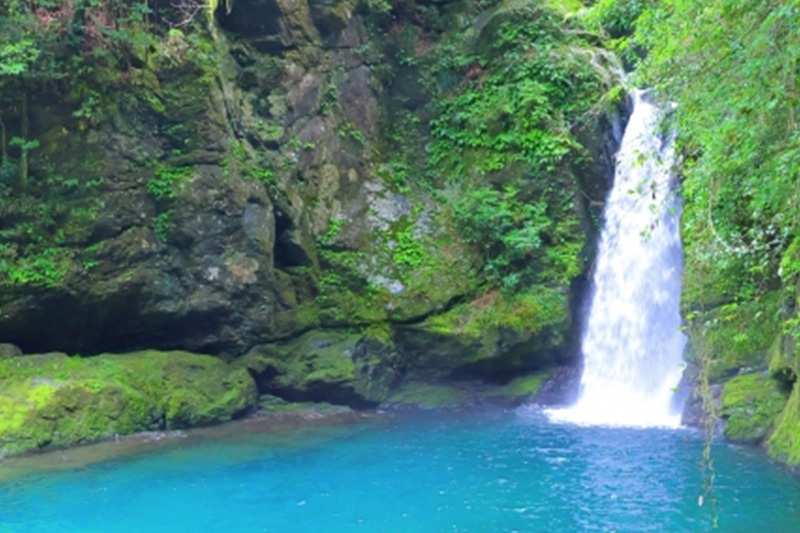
(732,67)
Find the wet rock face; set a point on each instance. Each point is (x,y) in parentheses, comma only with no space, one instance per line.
(341,368)
(259,204)
(203,287)
(264,21)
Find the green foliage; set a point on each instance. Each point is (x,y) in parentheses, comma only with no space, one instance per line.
(530,310)
(730,69)
(25,145)
(8,173)
(34,249)
(164,185)
(396,174)
(737,335)
(162,225)
(617,17)
(783,444)
(347,130)
(408,250)
(334,227)
(499,134)
(517,235)
(17,57)
(524,88)
(79,52)
(46,268)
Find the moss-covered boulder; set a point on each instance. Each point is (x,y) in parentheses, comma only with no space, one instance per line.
(429,395)
(56,400)
(520,388)
(783,361)
(496,335)
(750,405)
(337,367)
(458,393)
(784,443)
(737,335)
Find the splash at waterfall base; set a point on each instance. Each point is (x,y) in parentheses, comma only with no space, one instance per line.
(632,345)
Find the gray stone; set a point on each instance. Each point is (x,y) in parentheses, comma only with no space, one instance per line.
(9,350)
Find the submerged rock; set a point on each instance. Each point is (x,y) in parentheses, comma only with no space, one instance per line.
(56,400)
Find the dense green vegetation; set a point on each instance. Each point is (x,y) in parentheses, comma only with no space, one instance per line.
(731,67)
(241,163)
(507,105)
(83,62)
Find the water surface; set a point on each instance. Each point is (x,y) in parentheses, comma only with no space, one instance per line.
(471,470)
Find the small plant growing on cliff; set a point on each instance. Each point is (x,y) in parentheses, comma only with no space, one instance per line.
(164,188)
(165,183)
(334,226)
(163,223)
(408,251)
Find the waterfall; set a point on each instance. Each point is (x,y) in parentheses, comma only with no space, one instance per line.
(632,345)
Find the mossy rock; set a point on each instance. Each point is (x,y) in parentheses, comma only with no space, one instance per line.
(55,400)
(750,404)
(783,363)
(337,367)
(492,335)
(784,443)
(737,335)
(274,405)
(520,388)
(421,394)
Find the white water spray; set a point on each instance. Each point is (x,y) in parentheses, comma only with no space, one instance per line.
(633,346)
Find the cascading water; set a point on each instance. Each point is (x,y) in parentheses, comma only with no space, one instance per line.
(632,346)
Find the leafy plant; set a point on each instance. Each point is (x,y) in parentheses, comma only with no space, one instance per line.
(408,250)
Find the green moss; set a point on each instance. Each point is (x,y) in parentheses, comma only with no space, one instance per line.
(343,368)
(428,395)
(738,335)
(56,400)
(750,405)
(784,443)
(529,311)
(782,360)
(331,367)
(521,387)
